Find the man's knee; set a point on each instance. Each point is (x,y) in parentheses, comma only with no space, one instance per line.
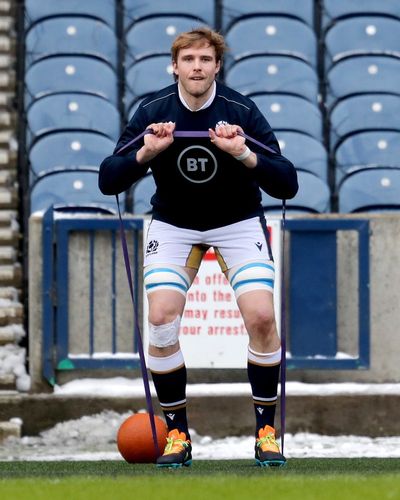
(261,320)
(164,334)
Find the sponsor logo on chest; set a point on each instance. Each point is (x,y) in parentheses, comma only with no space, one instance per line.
(197,164)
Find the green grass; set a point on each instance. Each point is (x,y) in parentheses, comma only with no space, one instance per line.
(302,479)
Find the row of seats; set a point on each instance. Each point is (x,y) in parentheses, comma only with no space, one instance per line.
(71,100)
(274,58)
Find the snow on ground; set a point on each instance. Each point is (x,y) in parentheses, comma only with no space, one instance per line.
(124,387)
(94,438)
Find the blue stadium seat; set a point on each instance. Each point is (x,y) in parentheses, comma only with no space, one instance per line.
(154,36)
(143,190)
(203,11)
(370,190)
(72,111)
(305,152)
(313,196)
(36,10)
(362,75)
(287,112)
(371,148)
(147,76)
(361,35)
(271,35)
(364,112)
(234,10)
(333,10)
(71,74)
(69,150)
(71,35)
(74,190)
(274,74)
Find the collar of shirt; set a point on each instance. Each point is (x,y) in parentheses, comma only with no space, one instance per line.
(205,105)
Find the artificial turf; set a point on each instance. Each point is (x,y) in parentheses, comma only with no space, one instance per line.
(301,479)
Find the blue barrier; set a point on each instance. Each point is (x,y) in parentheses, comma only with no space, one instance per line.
(56,294)
(313,294)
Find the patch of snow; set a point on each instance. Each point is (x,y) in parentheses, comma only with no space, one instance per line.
(94,438)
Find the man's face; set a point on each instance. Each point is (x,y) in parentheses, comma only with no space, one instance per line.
(196,68)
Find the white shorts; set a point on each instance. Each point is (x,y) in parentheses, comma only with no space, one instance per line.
(243,241)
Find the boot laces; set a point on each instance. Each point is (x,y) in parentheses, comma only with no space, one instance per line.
(175,443)
(268,443)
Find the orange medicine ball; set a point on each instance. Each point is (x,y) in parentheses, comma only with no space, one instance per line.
(135,439)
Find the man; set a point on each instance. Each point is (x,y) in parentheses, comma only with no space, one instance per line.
(207,196)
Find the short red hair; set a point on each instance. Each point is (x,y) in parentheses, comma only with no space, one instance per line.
(197,37)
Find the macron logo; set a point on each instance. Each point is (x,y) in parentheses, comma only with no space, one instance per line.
(171,416)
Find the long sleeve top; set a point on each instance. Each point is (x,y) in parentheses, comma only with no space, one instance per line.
(199,186)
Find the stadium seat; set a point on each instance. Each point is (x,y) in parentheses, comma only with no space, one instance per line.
(287,112)
(71,35)
(333,10)
(271,35)
(203,11)
(69,150)
(154,36)
(361,35)
(36,10)
(361,75)
(72,111)
(372,189)
(73,189)
(371,148)
(305,152)
(147,76)
(71,74)
(282,74)
(364,112)
(313,196)
(143,190)
(234,10)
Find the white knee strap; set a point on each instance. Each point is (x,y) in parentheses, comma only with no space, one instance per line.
(166,277)
(164,335)
(253,275)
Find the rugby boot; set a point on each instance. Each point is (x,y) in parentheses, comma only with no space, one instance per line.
(178,451)
(267,452)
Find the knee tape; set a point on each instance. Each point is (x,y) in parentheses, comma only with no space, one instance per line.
(253,275)
(166,277)
(164,335)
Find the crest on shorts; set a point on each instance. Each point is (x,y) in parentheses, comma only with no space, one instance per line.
(152,246)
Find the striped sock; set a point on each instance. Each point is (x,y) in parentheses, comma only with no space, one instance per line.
(169,377)
(263,372)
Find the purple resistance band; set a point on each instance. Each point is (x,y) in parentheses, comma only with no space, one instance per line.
(203,134)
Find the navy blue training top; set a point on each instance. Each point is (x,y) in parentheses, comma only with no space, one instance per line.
(200,186)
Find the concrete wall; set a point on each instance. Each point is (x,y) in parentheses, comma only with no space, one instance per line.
(384,305)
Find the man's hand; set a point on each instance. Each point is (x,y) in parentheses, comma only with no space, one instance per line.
(227,138)
(161,138)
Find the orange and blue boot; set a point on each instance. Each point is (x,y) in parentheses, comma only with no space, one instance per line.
(177,452)
(267,452)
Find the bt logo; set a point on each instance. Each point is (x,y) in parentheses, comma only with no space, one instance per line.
(197,164)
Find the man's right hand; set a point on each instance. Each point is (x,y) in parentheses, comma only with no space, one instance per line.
(161,138)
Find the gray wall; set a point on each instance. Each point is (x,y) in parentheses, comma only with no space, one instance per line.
(384,303)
